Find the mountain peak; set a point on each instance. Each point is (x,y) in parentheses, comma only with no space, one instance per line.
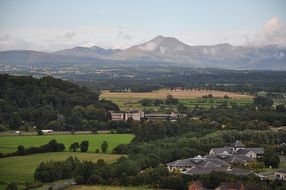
(159,37)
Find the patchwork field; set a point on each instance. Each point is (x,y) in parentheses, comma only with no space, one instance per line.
(190,98)
(21,168)
(10,143)
(180,94)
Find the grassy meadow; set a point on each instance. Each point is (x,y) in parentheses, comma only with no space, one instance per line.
(10,143)
(21,168)
(190,98)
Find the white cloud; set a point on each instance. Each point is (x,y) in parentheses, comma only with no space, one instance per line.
(52,39)
(272,32)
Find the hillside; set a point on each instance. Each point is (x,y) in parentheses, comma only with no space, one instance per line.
(48,103)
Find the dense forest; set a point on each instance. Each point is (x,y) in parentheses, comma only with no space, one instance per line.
(51,103)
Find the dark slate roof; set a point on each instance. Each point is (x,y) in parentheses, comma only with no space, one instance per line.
(205,170)
(246,150)
(218,161)
(256,150)
(239,171)
(230,158)
(237,144)
(243,157)
(207,161)
(201,170)
(189,162)
(222,151)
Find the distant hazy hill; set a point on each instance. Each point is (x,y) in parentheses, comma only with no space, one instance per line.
(164,50)
(92,52)
(36,57)
(170,49)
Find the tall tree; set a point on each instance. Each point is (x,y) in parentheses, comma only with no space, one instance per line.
(104,146)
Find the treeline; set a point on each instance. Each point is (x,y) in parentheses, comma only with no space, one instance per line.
(126,172)
(148,78)
(26,102)
(52,146)
(170,100)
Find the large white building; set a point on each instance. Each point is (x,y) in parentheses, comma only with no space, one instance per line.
(139,115)
(135,115)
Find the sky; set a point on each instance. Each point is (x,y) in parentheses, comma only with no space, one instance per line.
(50,25)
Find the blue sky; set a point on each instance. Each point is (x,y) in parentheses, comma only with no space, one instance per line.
(55,24)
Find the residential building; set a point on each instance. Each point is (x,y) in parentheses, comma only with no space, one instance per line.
(238,148)
(219,159)
(281,174)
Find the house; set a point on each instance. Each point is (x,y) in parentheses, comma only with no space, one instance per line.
(124,116)
(196,185)
(238,148)
(230,186)
(197,161)
(281,174)
(219,159)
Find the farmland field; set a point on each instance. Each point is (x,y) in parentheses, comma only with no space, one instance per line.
(190,98)
(180,94)
(21,168)
(10,143)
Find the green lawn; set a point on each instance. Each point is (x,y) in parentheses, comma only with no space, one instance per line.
(21,168)
(10,143)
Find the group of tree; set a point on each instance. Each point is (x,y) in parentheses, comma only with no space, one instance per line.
(84,145)
(52,146)
(170,100)
(49,103)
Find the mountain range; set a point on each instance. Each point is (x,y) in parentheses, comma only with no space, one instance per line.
(161,50)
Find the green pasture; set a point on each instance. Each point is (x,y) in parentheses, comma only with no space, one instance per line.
(21,168)
(9,143)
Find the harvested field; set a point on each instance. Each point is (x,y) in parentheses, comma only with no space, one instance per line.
(180,94)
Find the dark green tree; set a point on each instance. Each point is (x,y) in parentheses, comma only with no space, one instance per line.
(15,120)
(21,150)
(104,146)
(74,146)
(84,146)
